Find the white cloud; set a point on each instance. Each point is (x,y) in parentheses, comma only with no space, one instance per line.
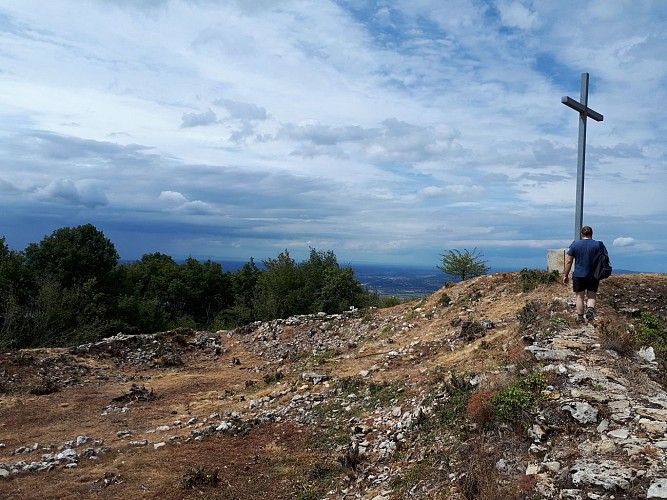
(517,14)
(242,110)
(624,242)
(86,192)
(181,204)
(173,197)
(198,119)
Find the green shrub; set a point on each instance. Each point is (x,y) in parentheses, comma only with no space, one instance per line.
(513,403)
(389,301)
(530,314)
(47,386)
(519,401)
(650,330)
(531,278)
(450,409)
(198,477)
(272,378)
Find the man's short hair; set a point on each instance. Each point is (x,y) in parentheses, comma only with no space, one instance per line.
(587,232)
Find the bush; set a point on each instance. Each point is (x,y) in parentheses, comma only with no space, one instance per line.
(518,402)
(651,332)
(531,278)
(513,403)
(198,477)
(480,409)
(530,314)
(616,338)
(389,301)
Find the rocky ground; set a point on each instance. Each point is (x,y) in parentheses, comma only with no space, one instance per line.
(381,404)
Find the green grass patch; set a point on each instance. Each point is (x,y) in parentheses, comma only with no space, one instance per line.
(532,278)
(518,402)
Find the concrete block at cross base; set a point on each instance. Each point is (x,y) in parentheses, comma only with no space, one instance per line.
(556,259)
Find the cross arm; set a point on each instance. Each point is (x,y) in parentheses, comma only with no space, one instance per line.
(577,106)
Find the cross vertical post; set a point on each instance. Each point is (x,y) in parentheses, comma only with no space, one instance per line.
(584,113)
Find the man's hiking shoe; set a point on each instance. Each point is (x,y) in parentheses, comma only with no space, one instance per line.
(580,320)
(590,314)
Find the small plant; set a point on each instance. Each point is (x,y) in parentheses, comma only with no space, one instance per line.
(534,382)
(651,331)
(532,278)
(200,476)
(348,385)
(48,386)
(445,300)
(351,458)
(527,483)
(616,338)
(272,378)
(325,356)
(513,403)
(410,316)
(390,301)
(530,315)
(480,409)
(384,392)
(519,401)
(409,479)
(451,408)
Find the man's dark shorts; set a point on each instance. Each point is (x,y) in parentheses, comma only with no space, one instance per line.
(588,283)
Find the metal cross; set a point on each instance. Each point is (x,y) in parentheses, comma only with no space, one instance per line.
(584,112)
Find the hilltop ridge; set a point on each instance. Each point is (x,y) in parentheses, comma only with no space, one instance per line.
(480,390)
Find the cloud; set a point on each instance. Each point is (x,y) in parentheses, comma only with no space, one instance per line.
(517,15)
(180,203)
(452,190)
(624,242)
(198,119)
(242,110)
(173,197)
(392,140)
(86,192)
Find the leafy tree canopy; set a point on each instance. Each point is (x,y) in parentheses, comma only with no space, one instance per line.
(463,265)
(73,255)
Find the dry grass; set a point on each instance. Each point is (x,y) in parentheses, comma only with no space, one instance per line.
(616,337)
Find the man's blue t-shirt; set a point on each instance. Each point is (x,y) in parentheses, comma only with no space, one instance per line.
(584,253)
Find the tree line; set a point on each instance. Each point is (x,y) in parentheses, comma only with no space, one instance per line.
(70,288)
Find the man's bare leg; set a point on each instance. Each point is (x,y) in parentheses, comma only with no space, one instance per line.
(581,303)
(590,306)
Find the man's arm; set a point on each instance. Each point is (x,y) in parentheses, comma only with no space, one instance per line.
(568,265)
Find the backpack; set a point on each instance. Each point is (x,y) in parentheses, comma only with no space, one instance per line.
(601,266)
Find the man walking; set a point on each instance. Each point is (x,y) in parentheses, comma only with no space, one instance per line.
(583,252)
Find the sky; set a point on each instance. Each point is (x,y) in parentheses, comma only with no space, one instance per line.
(387,131)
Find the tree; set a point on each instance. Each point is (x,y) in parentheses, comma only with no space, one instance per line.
(280,290)
(14,296)
(72,256)
(71,274)
(152,292)
(463,265)
(244,283)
